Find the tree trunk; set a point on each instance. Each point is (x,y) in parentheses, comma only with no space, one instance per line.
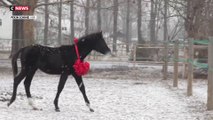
(59,22)
(23,31)
(115,17)
(28,25)
(157,6)
(210,17)
(99,15)
(140,38)
(194,18)
(46,24)
(17,34)
(165,67)
(127,26)
(72,30)
(141,54)
(153,21)
(87,17)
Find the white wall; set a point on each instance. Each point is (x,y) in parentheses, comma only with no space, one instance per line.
(6,27)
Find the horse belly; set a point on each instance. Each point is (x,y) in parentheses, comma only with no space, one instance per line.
(51,65)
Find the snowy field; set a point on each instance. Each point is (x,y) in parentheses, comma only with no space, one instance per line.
(115,92)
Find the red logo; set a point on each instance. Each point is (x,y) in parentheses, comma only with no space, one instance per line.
(19,8)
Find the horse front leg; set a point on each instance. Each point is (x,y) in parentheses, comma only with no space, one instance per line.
(81,86)
(61,84)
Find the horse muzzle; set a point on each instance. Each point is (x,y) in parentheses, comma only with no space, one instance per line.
(109,53)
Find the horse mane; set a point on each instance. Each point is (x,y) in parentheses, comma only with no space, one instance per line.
(90,36)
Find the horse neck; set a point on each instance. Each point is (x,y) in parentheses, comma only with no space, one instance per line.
(84,51)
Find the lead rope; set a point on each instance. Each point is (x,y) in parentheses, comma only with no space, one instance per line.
(76,48)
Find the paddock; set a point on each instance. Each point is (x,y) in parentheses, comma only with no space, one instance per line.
(115,95)
(117,88)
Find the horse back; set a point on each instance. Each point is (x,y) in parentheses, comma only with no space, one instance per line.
(46,59)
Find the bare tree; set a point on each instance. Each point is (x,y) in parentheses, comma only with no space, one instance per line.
(165,67)
(210,17)
(140,38)
(178,27)
(59,22)
(23,32)
(17,34)
(72,30)
(115,23)
(28,25)
(127,26)
(87,10)
(99,15)
(194,13)
(153,20)
(46,24)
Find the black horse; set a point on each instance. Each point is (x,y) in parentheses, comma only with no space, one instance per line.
(58,60)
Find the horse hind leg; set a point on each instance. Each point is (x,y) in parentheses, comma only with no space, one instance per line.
(27,83)
(17,81)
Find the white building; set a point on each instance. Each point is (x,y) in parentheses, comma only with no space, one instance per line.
(5,23)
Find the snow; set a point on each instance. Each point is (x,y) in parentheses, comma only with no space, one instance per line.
(118,92)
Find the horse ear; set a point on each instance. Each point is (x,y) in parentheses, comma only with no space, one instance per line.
(101,33)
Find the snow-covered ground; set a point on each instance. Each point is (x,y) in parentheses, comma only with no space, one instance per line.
(118,92)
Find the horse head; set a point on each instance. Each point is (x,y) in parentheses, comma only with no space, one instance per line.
(96,42)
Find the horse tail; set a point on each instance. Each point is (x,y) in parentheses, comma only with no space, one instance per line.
(14,62)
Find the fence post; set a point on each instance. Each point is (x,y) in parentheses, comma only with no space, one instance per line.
(135,52)
(190,67)
(176,58)
(210,75)
(185,64)
(165,66)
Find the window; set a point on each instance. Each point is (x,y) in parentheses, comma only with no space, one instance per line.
(0,22)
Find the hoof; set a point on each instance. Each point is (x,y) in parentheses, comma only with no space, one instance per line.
(91,110)
(57,110)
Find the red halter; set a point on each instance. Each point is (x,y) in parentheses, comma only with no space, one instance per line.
(80,67)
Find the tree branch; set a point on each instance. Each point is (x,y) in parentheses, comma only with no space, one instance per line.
(79,5)
(4,4)
(14,2)
(178,11)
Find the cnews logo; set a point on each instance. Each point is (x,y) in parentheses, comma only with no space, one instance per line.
(19,8)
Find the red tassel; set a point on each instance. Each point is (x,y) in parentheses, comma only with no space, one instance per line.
(75,40)
(81,68)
